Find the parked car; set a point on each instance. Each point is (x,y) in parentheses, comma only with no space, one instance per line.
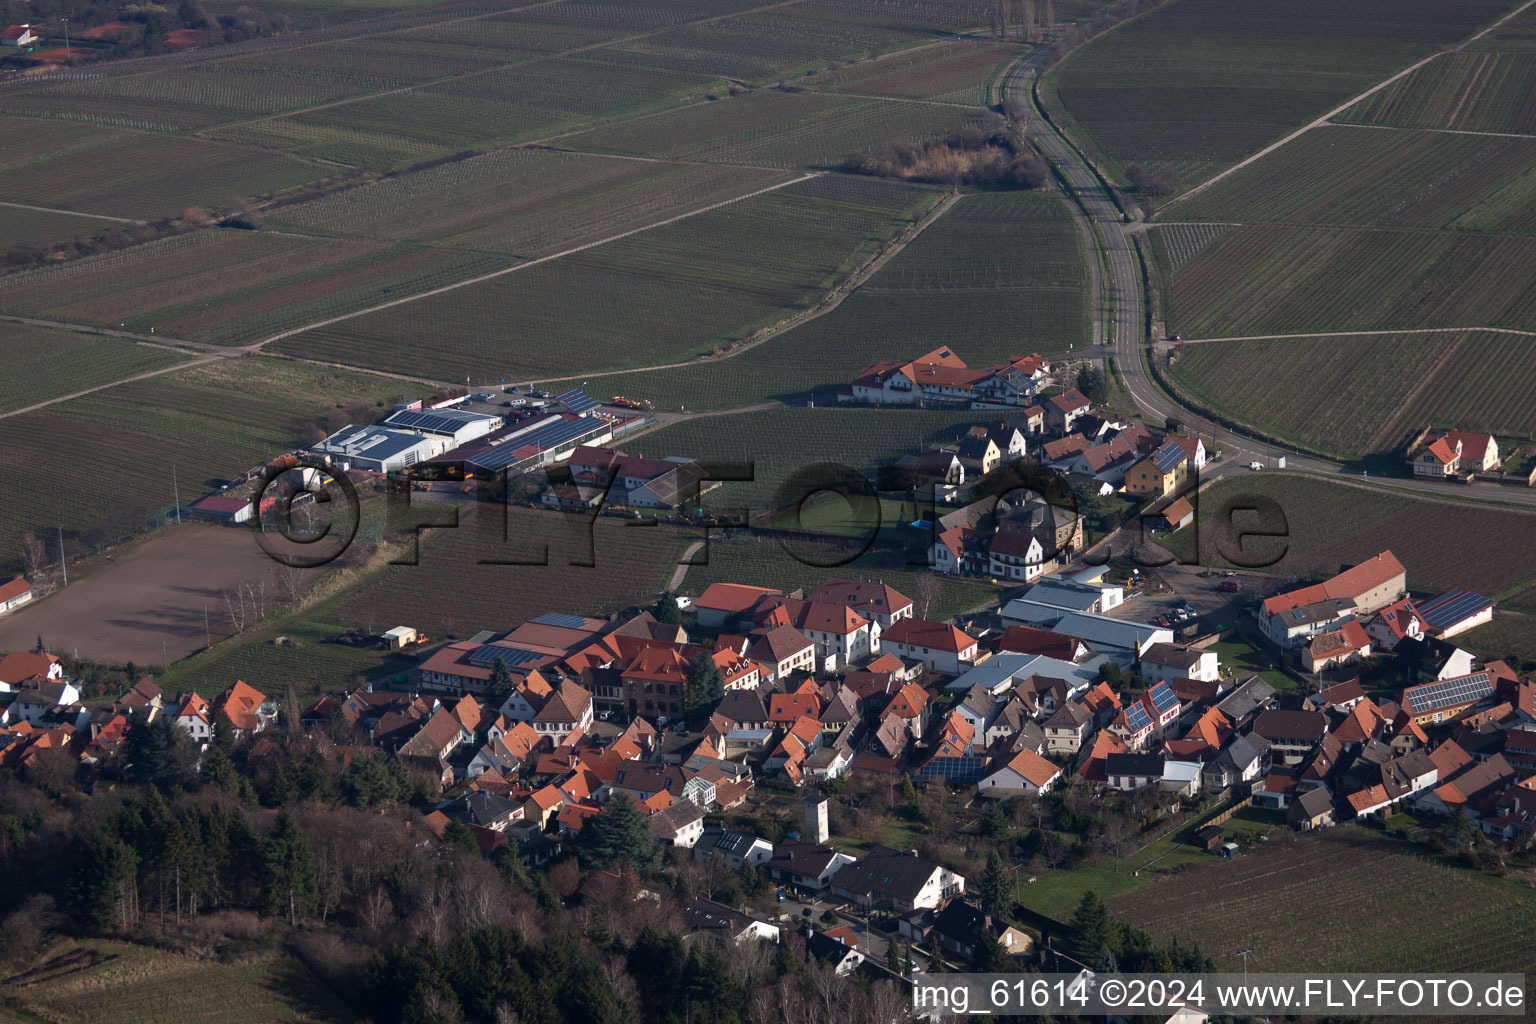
(1230,586)
(517,402)
(1255,465)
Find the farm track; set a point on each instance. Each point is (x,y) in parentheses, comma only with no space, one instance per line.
(112,384)
(1360,334)
(831,301)
(479,72)
(1408,128)
(70,213)
(1330,115)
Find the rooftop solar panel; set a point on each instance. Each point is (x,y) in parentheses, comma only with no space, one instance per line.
(1136,718)
(1162,697)
(1452,607)
(490,654)
(561,619)
(578,401)
(1449,692)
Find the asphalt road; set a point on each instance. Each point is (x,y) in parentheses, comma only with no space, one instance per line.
(1125,328)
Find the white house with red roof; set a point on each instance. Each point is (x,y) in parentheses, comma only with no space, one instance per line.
(1440,459)
(842,636)
(568,709)
(1478,452)
(1345,645)
(877,602)
(938,645)
(1023,772)
(18,35)
(1296,616)
(14,594)
(1395,623)
(722,602)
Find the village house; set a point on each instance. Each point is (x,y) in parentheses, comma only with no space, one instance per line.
(887,879)
(1396,622)
(941,377)
(718,923)
(806,866)
(736,849)
(937,645)
(1022,772)
(1064,410)
(877,602)
(15,593)
(722,602)
(1293,618)
(1343,646)
(1175,661)
(1454,612)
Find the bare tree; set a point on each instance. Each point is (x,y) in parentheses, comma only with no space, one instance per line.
(925,594)
(377,911)
(293,580)
(234,608)
(33,552)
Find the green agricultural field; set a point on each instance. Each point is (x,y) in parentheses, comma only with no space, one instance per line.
(132,984)
(209,423)
(150,177)
(37,364)
(952,72)
(780,442)
(670,293)
(48,138)
(23,229)
(237,287)
(521,202)
(1286,280)
(553,562)
(774,128)
(1367,177)
(1366,394)
(520,103)
(1442,543)
(1195,85)
(1508,636)
(998,274)
(1464,921)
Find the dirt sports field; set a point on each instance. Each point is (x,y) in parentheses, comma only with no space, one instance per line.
(154,593)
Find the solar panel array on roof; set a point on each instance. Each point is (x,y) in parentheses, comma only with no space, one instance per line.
(578,401)
(561,619)
(963,769)
(545,437)
(1452,607)
(1168,457)
(436,422)
(490,654)
(1449,692)
(1136,718)
(1162,698)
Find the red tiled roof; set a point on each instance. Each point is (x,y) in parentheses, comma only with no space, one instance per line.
(1442,450)
(937,636)
(1350,583)
(14,589)
(732,597)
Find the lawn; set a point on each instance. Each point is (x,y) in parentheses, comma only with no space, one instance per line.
(998,274)
(1238,657)
(1366,395)
(1195,85)
(207,423)
(1442,544)
(37,363)
(674,292)
(1329,886)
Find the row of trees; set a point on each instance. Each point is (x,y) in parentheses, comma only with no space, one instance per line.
(965,158)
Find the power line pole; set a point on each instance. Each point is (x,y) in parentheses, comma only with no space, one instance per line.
(176,493)
(1244,954)
(63,565)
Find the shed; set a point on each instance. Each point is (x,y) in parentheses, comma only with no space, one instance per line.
(1209,838)
(400,636)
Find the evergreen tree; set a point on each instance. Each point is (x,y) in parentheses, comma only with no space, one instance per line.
(459,835)
(102,896)
(706,683)
(989,957)
(656,962)
(288,878)
(501,685)
(995,891)
(151,750)
(935,954)
(620,835)
(665,610)
(994,823)
(908,791)
(1093,929)
(39,647)
(1093,384)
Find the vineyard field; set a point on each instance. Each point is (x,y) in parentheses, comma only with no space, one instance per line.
(1285,280)
(1463,921)
(40,229)
(37,363)
(1195,85)
(772,128)
(669,293)
(502,107)
(150,177)
(1364,395)
(1470,91)
(48,138)
(521,202)
(1367,177)
(998,274)
(1443,544)
(1508,636)
(209,422)
(951,72)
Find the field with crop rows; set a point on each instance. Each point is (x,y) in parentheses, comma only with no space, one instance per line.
(454,590)
(772,128)
(1285,280)
(1197,84)
(142,985)
(998,274)
(1443,544)
(1175,245)
(150,177)
(669,293)
(953,72)
(37,229)
(521,202)
(510,105)
(1369,177)
(779,442)
(1512,637)
(1470,91)
(106,458)
(1364,394)
(1462,921)
(37,364)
